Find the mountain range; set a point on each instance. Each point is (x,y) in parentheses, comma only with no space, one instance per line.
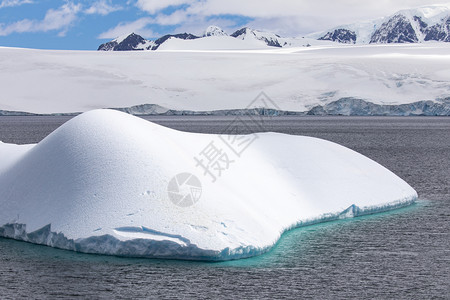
(136,42)
(429,23)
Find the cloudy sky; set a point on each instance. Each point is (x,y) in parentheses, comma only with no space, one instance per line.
(84,24)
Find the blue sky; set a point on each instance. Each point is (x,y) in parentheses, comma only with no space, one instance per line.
(84,24)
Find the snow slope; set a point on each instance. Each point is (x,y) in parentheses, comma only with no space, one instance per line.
(99,184)
(221,43)
(212,43)
(296,79)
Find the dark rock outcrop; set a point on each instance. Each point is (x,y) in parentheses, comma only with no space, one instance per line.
(341,36)
(269,39)
(439,32)
(397,29)
(131,42)
(183,36)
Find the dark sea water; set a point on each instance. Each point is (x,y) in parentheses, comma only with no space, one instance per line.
(404,254)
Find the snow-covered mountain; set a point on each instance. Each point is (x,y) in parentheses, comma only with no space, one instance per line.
(136,42)
(270,39)
(428,23)
(180,36)
(214,31)
(253,39)
(398,29)
(127,42)
(340,35)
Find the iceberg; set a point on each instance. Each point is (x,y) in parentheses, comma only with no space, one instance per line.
(110,183)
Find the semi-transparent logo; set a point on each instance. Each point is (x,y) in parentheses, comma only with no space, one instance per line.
(184,189)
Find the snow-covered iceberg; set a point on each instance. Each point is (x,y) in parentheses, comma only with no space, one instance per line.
(110,183)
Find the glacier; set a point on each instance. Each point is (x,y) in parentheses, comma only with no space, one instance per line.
(296,79)
(100,184)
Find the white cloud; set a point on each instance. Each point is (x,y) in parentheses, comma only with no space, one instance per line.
(177,17)
(55,19)
(153,6)
(284,16)
(198,26)
(11,3)
(322,13)
(102,7)
(195,24)
(60,18)
(282,8)
(19,26)
(139,27)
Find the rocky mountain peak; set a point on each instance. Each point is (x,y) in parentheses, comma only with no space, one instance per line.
(214,31)
(340,35)
(397,29)
(131,41)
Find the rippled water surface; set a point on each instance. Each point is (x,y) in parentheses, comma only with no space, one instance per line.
(404,254)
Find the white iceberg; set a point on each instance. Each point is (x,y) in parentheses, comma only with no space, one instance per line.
(103,183)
